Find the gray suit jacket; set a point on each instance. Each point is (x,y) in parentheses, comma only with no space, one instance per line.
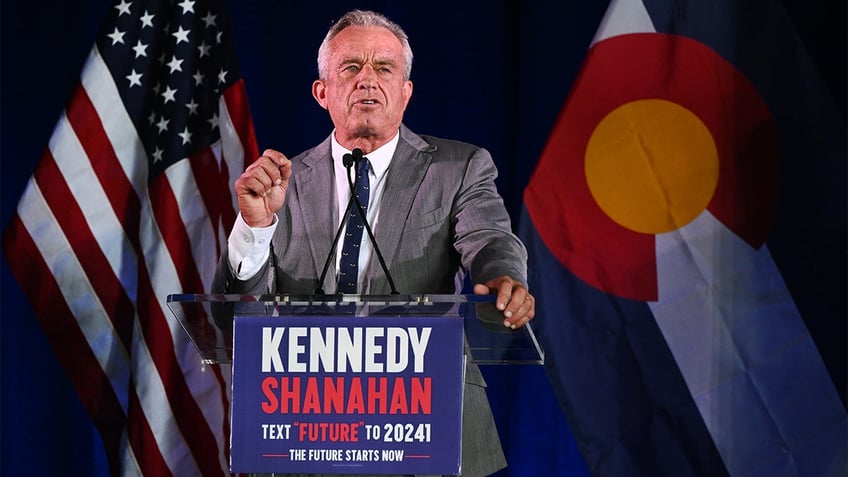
(440,217)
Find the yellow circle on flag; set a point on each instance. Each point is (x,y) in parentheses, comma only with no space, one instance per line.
(651,165)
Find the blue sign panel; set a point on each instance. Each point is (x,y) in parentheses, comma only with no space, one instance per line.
(341,394)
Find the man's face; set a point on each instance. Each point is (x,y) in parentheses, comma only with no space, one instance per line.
(365,91)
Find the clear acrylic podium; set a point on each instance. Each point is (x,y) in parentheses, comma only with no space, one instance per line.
(488,340)
(462,327)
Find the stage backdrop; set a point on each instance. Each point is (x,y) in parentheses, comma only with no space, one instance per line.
(491,73)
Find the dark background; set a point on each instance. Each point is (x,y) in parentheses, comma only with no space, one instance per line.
(491,73)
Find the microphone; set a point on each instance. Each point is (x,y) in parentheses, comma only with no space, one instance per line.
(347,161)
(357,156)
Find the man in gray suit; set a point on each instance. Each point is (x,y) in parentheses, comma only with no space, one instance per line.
(433,206)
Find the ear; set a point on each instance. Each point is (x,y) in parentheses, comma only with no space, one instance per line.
(319,92)
(407,92)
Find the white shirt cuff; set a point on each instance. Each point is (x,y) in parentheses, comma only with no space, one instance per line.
(249,247)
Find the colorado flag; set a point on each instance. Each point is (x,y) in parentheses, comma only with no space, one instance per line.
(686,224)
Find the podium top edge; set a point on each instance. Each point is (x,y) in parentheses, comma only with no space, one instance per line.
(330,298)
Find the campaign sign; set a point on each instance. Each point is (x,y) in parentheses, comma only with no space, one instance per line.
(342,394)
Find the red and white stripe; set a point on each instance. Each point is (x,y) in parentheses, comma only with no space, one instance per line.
(98,250)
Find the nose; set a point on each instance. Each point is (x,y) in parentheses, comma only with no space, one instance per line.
(367,78)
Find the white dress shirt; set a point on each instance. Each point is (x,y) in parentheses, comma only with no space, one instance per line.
(249,247)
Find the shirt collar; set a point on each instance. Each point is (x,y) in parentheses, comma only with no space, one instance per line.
(380,158)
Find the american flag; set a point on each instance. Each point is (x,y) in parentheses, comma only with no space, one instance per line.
(131,202)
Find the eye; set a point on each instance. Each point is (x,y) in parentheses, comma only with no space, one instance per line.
(384,67)
(349,69)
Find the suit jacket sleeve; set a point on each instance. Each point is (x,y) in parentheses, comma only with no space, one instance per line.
(482,230)
(225,282)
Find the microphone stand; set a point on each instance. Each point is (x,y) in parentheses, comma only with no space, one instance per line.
(348,161)
(357,154)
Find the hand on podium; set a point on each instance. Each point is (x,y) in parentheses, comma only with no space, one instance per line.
(516,303)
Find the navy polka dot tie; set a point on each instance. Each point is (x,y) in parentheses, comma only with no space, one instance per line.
(349,263)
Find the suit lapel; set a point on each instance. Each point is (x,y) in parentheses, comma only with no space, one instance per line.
(317,210)
(403,181)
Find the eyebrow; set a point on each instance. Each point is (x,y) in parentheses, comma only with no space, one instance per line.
(378,60)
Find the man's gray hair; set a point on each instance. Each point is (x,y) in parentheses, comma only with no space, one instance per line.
(364,18)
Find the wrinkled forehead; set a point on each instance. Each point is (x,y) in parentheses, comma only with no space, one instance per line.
(366,43)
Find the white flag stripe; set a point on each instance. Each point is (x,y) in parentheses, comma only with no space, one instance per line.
(153,399)
(232,148)
(164,281)
(214,415)
(104,95)
(727,346)
(222,232)
(129,463)
(623,17)
(72,161)
(39,220)
(195,216)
